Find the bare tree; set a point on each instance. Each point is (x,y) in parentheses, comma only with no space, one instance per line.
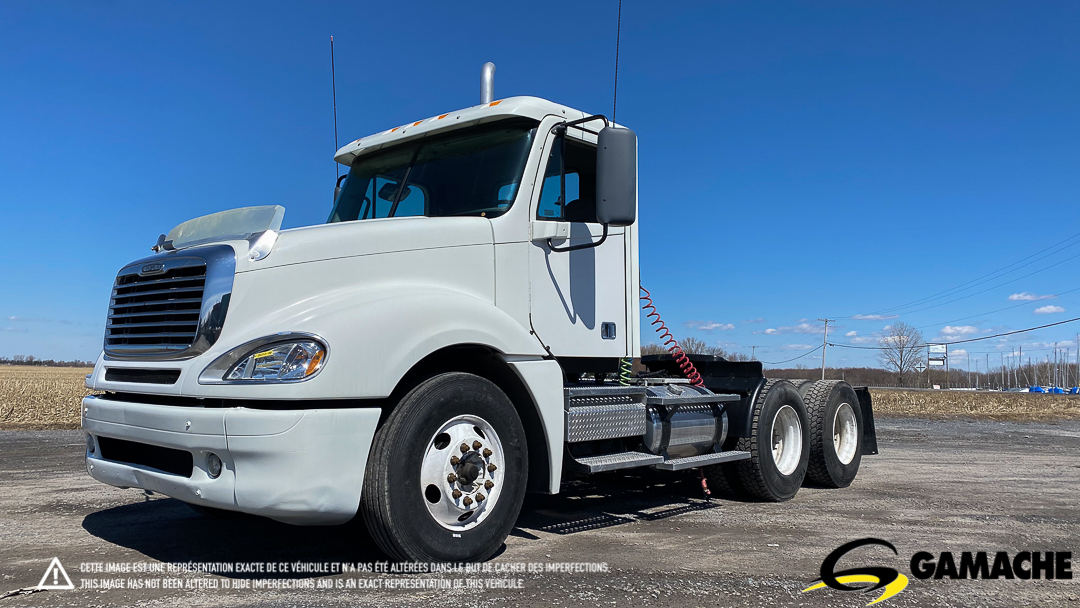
(901,349)
(652,349)
(693,346)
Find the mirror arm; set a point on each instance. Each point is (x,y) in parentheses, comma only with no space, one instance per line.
(603,237)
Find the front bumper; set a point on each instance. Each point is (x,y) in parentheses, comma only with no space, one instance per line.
(295,466)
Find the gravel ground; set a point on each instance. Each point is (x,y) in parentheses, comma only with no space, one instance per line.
(936,486)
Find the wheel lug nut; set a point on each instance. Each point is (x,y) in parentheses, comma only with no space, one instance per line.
(488,485)
(467,501)
(479,498)
(476,445)
(464,448)
(491,468)
(456,494)
(451,478)
(454,460)
(487,453)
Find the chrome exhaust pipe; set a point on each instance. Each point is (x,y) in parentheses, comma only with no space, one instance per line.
(487,83)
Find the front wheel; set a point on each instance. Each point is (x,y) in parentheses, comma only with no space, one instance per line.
(447,472)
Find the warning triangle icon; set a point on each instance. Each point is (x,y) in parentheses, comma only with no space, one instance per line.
(53,575)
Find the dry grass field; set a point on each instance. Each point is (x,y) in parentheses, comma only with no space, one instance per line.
(48,398)
(41,397)
(1015,407)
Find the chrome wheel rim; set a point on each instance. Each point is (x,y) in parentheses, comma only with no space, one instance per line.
(460,476)
(845,433)
(786,440)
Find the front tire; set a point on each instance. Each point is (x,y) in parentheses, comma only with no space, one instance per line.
(447,472)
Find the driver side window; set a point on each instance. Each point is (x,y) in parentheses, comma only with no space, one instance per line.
(580,203)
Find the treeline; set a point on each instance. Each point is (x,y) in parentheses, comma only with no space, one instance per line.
(32,360)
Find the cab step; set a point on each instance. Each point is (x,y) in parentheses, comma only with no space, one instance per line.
(701,460)
(619,460)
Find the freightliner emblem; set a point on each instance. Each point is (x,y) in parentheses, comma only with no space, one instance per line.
(152,269)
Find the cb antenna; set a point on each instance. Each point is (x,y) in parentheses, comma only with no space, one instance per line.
(615,94)
(333,84)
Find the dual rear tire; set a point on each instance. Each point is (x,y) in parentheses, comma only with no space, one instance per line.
(800,431)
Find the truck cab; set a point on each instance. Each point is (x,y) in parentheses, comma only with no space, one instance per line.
(446,341)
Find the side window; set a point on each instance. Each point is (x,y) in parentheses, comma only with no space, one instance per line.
(580,203)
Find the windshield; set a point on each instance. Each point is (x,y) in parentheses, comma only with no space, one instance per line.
(473,172)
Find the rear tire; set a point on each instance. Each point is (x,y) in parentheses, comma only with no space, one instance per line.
(835,435)
(778,448)
(802,386)
(412,505)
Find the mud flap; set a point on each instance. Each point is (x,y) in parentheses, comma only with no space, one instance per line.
(869,437)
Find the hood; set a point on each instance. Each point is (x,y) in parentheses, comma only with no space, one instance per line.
(370,237)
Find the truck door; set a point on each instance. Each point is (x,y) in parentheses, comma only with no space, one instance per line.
(577,298)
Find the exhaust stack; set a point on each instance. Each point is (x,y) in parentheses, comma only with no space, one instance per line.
(487,83)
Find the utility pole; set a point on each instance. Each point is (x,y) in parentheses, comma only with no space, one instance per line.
(1002,370)
(824,345)
(947,367)
(753,349)
(1021,366)
(988,370)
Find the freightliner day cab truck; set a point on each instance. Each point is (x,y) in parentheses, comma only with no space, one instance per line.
(449,339)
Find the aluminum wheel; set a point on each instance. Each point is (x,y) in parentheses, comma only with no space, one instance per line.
(460,475)
(786,440)
(845,433)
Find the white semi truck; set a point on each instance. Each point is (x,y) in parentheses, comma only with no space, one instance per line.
(456,334)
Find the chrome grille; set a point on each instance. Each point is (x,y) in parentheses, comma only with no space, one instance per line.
(156,311)
(170,306)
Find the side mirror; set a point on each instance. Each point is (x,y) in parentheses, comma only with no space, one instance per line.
(337,187)
(616,177)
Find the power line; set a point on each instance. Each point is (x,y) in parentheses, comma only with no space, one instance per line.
(1001,309)
(971,295)
(809,352)
(1008,333)
(988,277)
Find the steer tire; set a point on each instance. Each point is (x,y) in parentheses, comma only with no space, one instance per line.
(723,480)
(824,400)
(392,502)
(760,475)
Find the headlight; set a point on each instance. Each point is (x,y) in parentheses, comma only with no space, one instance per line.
(285,357)
(285,361)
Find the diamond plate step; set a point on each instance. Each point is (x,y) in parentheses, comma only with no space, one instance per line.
(701,460)
(621,460)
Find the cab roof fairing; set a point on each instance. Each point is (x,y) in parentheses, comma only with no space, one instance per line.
(526,107)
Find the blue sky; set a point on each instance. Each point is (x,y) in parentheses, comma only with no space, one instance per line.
(798,160)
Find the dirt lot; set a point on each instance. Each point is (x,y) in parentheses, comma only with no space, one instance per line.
(936,486)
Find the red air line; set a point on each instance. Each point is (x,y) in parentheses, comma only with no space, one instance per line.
(672,345)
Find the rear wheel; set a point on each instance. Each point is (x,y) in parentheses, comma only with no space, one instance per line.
(777,444)
(446,475)
(835,433)
(802,386)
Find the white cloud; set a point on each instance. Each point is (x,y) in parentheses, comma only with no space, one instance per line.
(874,317)
(1027,297)
(801,328)
(958,330)
(757,320)
(709,325)
(797,346)
(957,354)
(864,340)
(1045,310)
(851,334)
